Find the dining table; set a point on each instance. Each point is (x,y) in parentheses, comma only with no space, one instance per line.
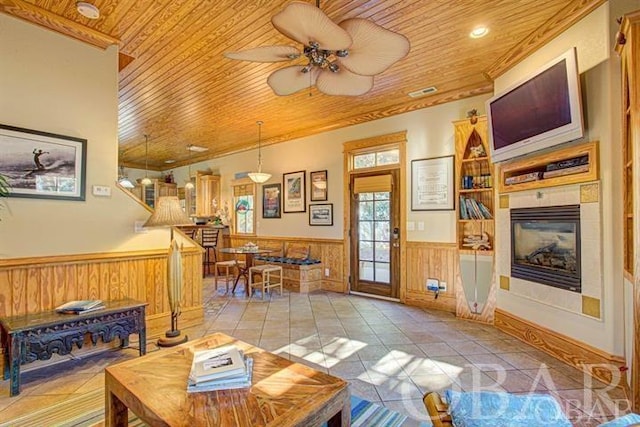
(249,252)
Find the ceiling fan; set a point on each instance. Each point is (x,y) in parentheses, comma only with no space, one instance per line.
(342,58)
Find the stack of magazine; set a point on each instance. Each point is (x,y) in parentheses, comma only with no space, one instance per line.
(220,368)
(80,307)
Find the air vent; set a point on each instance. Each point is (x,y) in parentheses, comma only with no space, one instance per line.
(423,92)
(197,148)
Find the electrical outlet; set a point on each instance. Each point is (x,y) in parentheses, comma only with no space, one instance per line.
(326,272)
(443,286)
(432,285)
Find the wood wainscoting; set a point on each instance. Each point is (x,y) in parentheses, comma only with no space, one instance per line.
(431,260)
(31,285)
(595,362)
(329,251)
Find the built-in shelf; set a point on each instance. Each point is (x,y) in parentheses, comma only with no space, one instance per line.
(566,163)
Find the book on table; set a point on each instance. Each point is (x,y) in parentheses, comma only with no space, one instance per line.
(219,368)
(225,383)
(81,306)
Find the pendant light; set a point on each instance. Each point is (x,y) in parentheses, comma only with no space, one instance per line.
(123,179)
(146,180)
(259,177)
(189,185)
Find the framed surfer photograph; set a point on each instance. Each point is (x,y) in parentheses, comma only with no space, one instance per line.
(42,165)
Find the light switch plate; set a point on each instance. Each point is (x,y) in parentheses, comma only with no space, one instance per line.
(411,225)
(420,225)
(101,190)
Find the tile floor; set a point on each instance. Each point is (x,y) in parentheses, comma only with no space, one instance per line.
(390,353)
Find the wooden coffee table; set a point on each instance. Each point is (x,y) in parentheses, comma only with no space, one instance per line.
(284,393)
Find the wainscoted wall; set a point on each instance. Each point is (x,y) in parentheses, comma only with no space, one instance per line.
(431,260)
(329,251)
(30,285)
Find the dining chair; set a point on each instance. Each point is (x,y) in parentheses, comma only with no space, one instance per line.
(209,237)
(270,277)
(231,268)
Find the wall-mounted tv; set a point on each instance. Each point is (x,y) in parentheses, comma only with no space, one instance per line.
(540,111)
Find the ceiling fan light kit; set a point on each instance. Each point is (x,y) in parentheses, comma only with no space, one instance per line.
(341,58)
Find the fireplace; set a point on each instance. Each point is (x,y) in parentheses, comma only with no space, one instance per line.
(545,245)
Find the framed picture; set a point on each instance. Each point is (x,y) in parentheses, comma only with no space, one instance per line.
(294,197)
(318,186)
(432,184)
(321,214)
(43,165)
(271,200)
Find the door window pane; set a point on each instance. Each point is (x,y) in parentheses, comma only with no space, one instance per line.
(382,251)
(382,272)
(365,196)
(366,230)
(381,231)
(382,211)
(366,251)
(366,270)
(365,212)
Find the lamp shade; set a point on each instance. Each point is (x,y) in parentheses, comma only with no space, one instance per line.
(259,177)
(167,213)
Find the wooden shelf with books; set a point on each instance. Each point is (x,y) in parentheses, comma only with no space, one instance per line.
(475,226)
(572,164)
(474,187)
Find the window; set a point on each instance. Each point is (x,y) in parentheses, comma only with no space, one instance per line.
(378,158)
(244,208)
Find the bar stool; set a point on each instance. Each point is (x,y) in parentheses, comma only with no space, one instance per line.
(209,242)
(265,271)
(229,271)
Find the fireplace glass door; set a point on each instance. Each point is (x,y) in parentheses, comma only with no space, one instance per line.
(545,245)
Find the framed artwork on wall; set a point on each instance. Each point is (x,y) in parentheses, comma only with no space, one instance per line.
(43,165)
(271,200)
(432,184)
(318,186)
(294,199)
(321,214)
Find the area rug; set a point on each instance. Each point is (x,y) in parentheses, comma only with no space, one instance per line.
(88,411)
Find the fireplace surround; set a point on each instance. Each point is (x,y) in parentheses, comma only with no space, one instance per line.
(545,246)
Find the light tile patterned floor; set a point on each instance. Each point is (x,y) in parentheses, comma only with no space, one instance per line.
(390,353)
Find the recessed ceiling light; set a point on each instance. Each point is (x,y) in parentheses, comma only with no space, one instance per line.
(87,10)
(169,161)
(197,148)
(478,32)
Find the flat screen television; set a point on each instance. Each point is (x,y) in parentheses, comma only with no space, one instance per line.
(542,110)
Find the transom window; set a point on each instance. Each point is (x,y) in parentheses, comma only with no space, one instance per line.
(377,158)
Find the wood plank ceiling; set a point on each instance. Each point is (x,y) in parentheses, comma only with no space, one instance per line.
(176,86)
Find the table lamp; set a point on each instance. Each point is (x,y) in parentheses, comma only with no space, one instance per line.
(167,214)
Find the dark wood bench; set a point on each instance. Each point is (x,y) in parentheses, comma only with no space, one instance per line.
(38,336)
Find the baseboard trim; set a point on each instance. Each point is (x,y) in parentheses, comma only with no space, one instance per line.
(364,294)
(591,360)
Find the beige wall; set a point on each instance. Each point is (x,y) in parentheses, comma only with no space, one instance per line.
(597,64)
(56,84)
(429,134)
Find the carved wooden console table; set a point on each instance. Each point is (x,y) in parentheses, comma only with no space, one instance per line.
(37,336)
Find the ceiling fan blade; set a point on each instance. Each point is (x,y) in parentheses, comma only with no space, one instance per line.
(374,48)
(291,79)
(344,82)
(265,54)
(304,23)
